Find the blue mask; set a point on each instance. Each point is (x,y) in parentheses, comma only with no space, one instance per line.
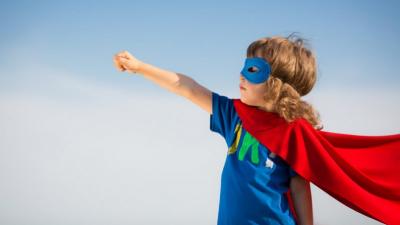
(260,74)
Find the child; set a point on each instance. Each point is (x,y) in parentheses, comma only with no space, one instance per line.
(263,182)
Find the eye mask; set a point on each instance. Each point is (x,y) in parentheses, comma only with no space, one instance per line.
(256,70)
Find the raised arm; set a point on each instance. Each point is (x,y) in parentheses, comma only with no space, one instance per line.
(175,82)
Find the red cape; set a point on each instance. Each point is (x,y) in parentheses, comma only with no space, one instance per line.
(362,172)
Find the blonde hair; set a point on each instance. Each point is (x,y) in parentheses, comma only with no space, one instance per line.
(293,74)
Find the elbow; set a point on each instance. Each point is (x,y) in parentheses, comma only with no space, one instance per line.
(183,85)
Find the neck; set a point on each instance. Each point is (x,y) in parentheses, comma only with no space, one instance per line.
(267,108)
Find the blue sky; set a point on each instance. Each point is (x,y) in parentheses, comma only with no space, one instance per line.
(355,42)
(78,132)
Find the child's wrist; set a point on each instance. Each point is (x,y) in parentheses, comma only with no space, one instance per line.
(140,67)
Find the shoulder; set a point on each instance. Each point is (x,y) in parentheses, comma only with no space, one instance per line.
(223,118)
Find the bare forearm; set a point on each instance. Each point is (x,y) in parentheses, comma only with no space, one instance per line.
(174,82)
(302,200)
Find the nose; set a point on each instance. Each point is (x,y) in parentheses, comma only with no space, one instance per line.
(243,80)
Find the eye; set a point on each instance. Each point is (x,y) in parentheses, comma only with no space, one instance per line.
(253,69)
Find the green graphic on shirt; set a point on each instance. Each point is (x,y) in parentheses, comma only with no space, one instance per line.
(249,142)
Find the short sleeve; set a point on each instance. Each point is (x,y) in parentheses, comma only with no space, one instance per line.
(224,117)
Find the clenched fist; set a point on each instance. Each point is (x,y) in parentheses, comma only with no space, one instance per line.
(124,61)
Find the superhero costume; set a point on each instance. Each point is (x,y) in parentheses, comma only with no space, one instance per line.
(362,172)
(345,166)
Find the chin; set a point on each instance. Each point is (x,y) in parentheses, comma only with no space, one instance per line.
(250,102)
(242,99)
(245,101)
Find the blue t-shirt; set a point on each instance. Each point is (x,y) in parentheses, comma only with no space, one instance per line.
(254,180)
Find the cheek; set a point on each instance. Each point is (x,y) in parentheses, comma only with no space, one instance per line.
(249,97)
(260,91)
(256,96)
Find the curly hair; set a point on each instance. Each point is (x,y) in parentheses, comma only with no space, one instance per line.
(293,74)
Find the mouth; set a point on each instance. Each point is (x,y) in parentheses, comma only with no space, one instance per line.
(242,88)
